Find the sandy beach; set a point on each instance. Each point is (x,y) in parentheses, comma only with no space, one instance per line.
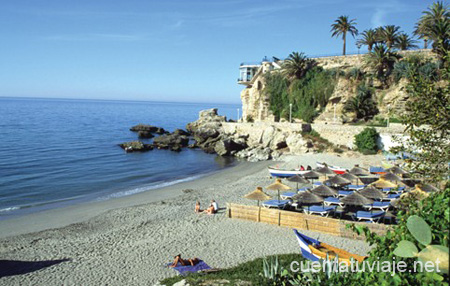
(126,241)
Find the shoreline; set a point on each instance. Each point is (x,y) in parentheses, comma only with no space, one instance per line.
(127,241)
(80,212)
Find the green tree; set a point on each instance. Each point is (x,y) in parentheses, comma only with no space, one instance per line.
(434,25)
(381,60)
(296,65)
(405,42)
(366,141)
(389,35)
(362,104)
(368,38)
(341,27)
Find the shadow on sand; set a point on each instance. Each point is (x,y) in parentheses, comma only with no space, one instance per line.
(15,267)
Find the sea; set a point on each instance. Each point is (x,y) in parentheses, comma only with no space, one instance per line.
(60,152)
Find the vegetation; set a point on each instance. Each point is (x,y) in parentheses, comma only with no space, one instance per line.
(382,61)
(296,65)
(368,38)
(362,104)
(341,27)
(308,94)
(405,42)
(389,35)
(366,141)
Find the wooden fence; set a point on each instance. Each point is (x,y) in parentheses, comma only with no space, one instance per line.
(300,221)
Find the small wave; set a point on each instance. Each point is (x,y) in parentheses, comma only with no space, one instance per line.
(9,209)
(147,188)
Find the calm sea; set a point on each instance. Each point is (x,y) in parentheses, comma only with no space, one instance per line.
(57,152)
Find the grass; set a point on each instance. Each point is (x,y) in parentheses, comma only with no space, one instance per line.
(247,271)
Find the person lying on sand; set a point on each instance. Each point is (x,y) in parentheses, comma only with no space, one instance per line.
(197,207)
(209,210)
(184,262)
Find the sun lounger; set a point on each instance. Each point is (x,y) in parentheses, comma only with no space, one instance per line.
(344,193)
(303,189)
(369,216)
(391,197)
(184,270)
(323,211)
(355,187)
(376,170)
(287,195)
(281,204)
(333,201)
(317,183)
(378,206)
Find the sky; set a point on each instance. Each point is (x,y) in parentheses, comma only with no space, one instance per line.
(185,50)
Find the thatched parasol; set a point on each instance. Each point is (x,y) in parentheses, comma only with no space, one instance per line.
(396,170)
(382,184)
(326,171)
(358,171)
(372,193)
(297,179)
(427,188)
(324,191)
(349,177)
(312,175)
(308,198)
(258,195)
(391,177)
(356,199)
(278,186)
(337,181)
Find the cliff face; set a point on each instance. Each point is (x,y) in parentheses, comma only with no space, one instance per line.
(256,105)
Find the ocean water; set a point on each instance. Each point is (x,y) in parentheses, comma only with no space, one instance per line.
(57,152)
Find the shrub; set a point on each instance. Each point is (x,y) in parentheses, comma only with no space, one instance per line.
(366,141)
(250,118)
(362,104)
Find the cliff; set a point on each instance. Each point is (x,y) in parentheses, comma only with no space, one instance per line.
(256,103)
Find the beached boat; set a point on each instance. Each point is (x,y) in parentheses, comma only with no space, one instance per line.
(336,169)
(283,173)
(315,250)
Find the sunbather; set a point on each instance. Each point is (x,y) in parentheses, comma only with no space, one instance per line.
(184,262)
(197,207)
(209,210)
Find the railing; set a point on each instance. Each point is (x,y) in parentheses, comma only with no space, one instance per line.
(250,64)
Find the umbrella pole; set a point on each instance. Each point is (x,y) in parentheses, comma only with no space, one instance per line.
(278,195)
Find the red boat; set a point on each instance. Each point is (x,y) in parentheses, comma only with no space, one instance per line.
(336,169)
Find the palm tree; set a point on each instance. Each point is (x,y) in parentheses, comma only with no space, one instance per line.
(440,33)
(362,104)
(382,61)
(404,42)
(390,35)
(368,38)
(341,26)
(296,65)
(426,28)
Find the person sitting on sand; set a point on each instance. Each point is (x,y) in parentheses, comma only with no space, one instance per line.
(215,205)
(209,210)
(197,207)
(184,262)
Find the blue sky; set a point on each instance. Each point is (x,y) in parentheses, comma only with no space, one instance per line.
(168,50)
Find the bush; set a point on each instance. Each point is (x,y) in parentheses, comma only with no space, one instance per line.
(250,118)
(366,141)
(362,104)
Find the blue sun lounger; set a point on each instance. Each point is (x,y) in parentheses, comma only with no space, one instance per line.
(384,206)
(323,211)
(344,193)
(355,187)
(317,183)
(391,197)
(287,195)
(333,201)
(184,270)
(281,204)
(369,216)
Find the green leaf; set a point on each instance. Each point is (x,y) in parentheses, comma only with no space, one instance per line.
(435,253)
(406,248)
(419,229)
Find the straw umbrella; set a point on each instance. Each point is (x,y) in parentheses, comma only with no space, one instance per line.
(337,181)
(396,170)
(308,198)
(349,177)
(326,171)
(382,184)
(258,195)
(278,186)
(391,177)
(372,193)
(324,191)
(312,175)
(297,179)
(356,199)
(358,171)
(427,188)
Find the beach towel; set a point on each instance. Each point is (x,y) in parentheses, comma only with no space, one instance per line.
(184,270)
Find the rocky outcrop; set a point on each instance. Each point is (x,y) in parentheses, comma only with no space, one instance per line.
(136,146)
(145,134)
(171,141)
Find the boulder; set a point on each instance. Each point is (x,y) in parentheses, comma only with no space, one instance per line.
(296,143)
(205,116)
(229,146)
(144,127)
(267,136)
(160,130)
(278,141)
(259,154)
(145,134)
(181,132)
(170,140)
(135,146)
(206,131)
